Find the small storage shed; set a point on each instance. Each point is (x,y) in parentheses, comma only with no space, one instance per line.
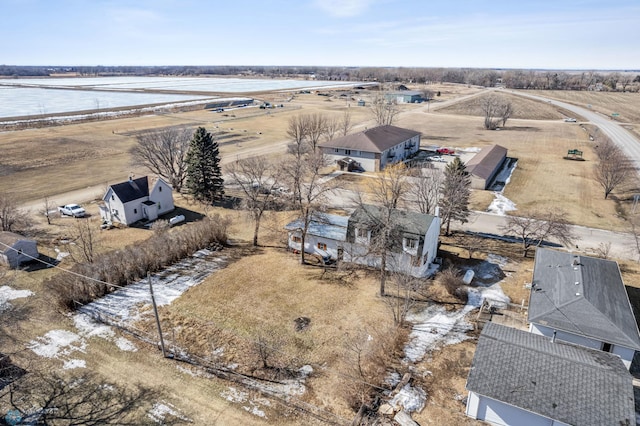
(485,165)
(16,249)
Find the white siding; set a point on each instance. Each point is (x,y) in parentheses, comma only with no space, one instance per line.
(115,208)
(498,413)
(162,195)
(626,354)
(311,245)
(132,212)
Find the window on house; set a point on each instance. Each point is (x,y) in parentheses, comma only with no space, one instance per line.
(296,239)
(607,347)
(135,211)
(159,207)
(347,152)
(410,244)
(362,233)
(322,246)
(336,150)
(113,197)
(160,189)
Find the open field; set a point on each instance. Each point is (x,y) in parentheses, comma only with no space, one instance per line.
(264,290)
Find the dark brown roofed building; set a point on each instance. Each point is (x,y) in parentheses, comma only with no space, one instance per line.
(484,166)
(374,148)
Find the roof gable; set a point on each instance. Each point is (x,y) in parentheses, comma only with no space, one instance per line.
(377,139)
(131,189)
(410,222)
(558,380)
(582,295)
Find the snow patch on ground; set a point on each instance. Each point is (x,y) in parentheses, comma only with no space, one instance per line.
(74,363)
(7,293)
(161,410)
(240,397)
(409,398)
(125,345)
(501,205)
(57,343)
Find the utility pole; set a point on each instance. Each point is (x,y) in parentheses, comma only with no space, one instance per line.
(155,311)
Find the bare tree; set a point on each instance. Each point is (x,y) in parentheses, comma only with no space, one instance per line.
(425,190)
(537,227)
(297,131)
(259,181)
(164,152)
(384,111)
(11,216)
(331,127)
(400,300)
(345,123)
(52,399)
(614,168)
(302,172)
(496,110)
(506,110)
(85,240)
(48,206)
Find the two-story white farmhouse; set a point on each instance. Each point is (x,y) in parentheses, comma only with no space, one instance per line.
(413,240)
(131,201)
(373,149)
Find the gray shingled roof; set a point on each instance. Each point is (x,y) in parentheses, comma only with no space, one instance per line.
(412,223)
(378,139)
(132,189)
(561,381)
(485,162)
(582,295)
(325,225)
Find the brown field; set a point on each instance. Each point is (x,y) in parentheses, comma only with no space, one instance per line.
(264,290)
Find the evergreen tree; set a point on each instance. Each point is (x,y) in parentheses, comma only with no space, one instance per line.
(204,176)
(456,189)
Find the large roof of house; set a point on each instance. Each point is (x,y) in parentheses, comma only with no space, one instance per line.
(377,139)
(410,222)
(325,225)
(484,163)
(582,295)
(132,189)
(558,380)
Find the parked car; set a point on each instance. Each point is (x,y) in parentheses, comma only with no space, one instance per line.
(570,120)
(447,151)
(74,210)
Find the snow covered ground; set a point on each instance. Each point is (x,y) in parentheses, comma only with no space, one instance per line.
(7,293)
(501,204)
(435,327)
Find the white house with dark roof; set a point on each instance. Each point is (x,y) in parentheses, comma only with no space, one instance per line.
(132,201)
(485,165)
(582,300)
(414,239)
(525,379)
(373,148)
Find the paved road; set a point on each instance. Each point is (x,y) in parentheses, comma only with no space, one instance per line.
(618,134)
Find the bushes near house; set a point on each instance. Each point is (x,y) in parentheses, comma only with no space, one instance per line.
(122,267)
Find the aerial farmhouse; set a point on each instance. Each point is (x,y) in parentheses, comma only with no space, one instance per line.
(348,238)
(373,149)
(132,201)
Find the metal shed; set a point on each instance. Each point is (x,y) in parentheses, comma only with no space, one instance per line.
(16,249)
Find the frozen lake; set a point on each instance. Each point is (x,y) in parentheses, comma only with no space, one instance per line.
(44,96)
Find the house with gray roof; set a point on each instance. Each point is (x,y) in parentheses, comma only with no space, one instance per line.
(373,148)
(16,249)
(520,378)
(414,239)
(134,200)
(485,165)
(582,300)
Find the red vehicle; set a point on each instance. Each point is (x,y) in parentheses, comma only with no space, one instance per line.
(445,151)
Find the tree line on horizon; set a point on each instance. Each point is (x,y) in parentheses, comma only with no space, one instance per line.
(616,80)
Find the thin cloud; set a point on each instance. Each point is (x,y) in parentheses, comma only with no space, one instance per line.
(343,8)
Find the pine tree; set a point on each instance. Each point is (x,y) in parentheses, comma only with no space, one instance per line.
(204,177)
(456,190)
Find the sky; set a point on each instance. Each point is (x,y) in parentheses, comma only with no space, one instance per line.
(549,34)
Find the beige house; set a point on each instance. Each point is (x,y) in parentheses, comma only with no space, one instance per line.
(373,149)
(485,165)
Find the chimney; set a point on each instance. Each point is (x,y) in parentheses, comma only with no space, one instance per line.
(553,338)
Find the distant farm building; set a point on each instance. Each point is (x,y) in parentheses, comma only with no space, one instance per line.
(485,165)
(374,148)
(16,249)
(405,97)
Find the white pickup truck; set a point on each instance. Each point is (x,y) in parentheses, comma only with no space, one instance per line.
(74,210)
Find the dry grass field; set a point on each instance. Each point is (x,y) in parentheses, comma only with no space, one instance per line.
(262,291)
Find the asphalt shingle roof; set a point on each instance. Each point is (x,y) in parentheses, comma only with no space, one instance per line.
(485,162)
(132,189)
(561,381)
(582,295)
(377,139)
